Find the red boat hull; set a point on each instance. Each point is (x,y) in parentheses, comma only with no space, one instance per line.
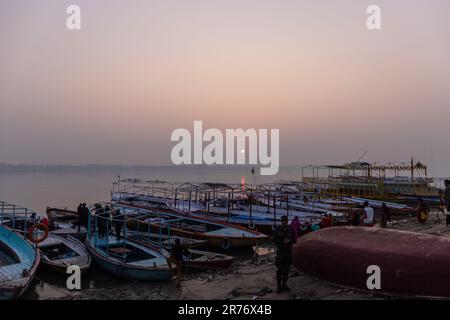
(410,263)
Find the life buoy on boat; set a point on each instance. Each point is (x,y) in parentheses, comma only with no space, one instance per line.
(225,244)
(38,226)
(251,225)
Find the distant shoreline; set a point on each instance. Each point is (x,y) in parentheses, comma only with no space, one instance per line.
(4,167)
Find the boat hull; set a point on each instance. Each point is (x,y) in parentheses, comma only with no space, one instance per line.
(128,272)
(410,263)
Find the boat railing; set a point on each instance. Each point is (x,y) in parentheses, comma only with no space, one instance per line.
(11,213)
(100,227)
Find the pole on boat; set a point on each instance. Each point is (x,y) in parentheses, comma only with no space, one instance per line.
(274,210)
(251,211)
(175,203)
(190,197)
(228,209)
(196,194)
(287,204)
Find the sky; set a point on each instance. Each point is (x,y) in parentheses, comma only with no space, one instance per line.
(113,92)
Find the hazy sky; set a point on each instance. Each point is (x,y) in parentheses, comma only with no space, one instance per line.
(113,92)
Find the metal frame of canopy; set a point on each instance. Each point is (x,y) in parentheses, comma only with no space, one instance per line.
(12,211)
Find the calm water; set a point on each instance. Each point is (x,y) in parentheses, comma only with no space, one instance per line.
(37,190)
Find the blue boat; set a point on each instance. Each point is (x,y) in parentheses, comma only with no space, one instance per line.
(128,259)
(18,264)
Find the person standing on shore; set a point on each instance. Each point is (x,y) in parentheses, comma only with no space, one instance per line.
(422,212)
(283,238)
(447,201)
(442,207)
(385,216)
(177,258)
(369,215)
(295,226)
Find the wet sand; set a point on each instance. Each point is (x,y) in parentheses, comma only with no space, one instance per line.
(247,279)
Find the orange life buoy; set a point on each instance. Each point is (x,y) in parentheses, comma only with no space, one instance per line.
(38,226)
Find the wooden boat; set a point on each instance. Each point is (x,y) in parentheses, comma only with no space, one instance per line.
(197,259)
(259,219)
(128,259)
(377,205)
(62,215)
(18,264)
(410,263)
(203,260)
(58,252)
(217,234)
(255,217)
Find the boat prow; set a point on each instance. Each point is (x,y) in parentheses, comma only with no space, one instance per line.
(58,253)
(18,264)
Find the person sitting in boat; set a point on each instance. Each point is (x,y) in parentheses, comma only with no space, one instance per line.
(422,211)
(283,238)
(305,199)
(45,222)
(369,215)
(118,222)
(177,257)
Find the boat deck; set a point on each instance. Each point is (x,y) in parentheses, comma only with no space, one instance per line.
(111,241)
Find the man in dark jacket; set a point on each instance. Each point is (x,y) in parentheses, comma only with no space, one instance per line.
(283,238)
(80,215)
(118,222)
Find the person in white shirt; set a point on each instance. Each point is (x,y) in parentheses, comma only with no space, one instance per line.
(369,214)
